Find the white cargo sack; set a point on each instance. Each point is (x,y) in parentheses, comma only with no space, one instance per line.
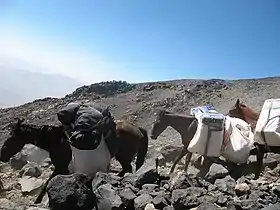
(238,140)
(269,123)
(208,138)
(90,162)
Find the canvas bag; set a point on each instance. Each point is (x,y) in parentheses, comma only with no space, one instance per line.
(267,129)
(208,138)
(238,140)
(91,161)
(84,122)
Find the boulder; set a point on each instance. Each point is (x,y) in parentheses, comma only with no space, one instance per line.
(70,192)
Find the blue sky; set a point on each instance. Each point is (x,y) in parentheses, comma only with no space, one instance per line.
(142,40)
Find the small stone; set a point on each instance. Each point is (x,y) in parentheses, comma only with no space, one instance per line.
(46,163)
(216,171)
(30,184)
(178,180)
(242,189)
(31,169)
(147,174)
(100,179)
(150,206)
(226,184)
(127,196)
(17,161)
(168,208)
(4,167)
(160,202)
(108,198)
(141,201)
(148,188)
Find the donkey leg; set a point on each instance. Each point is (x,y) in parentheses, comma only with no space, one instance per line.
(43,191)
(125,160)
(207,162)
(142,150)
(183,152)
(187,161)
(260,155)
(127,168)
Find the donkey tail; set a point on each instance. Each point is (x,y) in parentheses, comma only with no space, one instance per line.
(142,151)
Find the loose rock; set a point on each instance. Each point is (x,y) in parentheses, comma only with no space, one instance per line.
(216,171)
(30,184)
(150,206)
(31,169)
(17,161)
(241,189)
(141,201)
(108,198)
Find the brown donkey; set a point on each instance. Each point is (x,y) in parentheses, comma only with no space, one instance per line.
(240,110)
(186,125)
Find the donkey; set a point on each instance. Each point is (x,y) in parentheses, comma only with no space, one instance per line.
(133,139)
(240,110)
(186,125)
(49,138)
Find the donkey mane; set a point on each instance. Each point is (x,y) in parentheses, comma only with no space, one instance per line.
(41,128)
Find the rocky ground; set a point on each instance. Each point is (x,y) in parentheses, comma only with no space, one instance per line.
(139,103)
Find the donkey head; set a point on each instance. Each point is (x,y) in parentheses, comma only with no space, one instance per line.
(15,142)
(160,124)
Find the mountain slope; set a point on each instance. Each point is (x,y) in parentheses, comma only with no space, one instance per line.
(140,102)
(20,86)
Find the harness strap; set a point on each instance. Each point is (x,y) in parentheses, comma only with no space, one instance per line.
(226,136)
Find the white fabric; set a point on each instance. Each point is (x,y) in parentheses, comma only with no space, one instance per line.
(199,142)
(271,128)
(91,161)
(238,140)
(202,109)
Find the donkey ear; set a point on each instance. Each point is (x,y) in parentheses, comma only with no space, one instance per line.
(237,102)
(20,121)
(161,113)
